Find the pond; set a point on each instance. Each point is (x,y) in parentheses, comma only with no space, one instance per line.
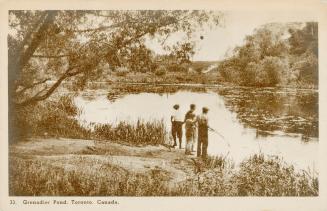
(281,122)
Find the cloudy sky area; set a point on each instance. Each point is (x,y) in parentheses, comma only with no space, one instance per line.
(238,24)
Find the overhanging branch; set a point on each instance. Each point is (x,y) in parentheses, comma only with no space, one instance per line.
(32,86)
(50,56)
(69,73)
(37,97)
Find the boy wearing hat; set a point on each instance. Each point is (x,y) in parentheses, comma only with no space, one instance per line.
(176,125)
(203,126)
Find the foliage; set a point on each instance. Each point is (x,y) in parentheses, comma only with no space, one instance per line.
(138,58)
(160,71)
(32,177)
(50,118)
(70,45)
(59,119)
(275,55)
(121,71)
(141,133)
(174,67)
(257,176)
(261,176)
(183,52)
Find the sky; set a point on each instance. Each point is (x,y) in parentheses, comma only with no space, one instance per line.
(219,40)
(237,24)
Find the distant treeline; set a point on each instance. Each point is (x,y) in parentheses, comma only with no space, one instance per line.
(275,55)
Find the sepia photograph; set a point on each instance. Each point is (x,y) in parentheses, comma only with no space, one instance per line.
(150,103)
(164,103)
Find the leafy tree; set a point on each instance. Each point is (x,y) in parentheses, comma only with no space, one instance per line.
(276,54)
(270,71)
(304,49)
(183,53)
(303,40)
(56,46)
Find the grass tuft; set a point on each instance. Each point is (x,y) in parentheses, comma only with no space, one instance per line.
(141,133)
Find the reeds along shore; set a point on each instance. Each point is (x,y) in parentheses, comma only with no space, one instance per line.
(256,176)
(141,133)
(58,119)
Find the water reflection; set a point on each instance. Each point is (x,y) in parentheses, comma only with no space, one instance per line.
(269,110)
(251,122)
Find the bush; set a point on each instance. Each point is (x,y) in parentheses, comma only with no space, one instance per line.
(177,68)
(50,118)
(270,71)
(122,71)
(267,59)
(160,71)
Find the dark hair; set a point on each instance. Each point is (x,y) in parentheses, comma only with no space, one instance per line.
(192,106)
(176,106)
(205,110)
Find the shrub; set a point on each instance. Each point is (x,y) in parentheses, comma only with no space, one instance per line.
(121,71)
(160,71)
(177,68)
(50,118)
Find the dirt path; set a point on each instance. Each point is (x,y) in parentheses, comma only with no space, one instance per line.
(63,153)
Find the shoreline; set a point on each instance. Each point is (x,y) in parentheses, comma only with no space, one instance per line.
(165,171)
(209,85)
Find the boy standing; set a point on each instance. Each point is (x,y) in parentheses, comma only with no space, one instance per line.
(190,121)
(203,126)
(176,123)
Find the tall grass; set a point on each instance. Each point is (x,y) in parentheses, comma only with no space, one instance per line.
(271,176)
(257,176)
(141,133)
(211,178)
(37,178)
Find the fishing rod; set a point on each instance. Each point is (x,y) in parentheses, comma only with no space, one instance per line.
(215,131)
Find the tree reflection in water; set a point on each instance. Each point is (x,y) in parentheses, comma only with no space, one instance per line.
(270,110)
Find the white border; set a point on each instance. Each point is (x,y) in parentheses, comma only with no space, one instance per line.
(319,12)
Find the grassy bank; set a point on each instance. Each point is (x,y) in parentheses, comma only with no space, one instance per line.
(258,175)
(37,178)
(58,119)
(96,173)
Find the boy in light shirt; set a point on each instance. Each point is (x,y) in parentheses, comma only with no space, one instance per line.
(177,123)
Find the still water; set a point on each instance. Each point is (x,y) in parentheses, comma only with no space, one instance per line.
(242,139)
